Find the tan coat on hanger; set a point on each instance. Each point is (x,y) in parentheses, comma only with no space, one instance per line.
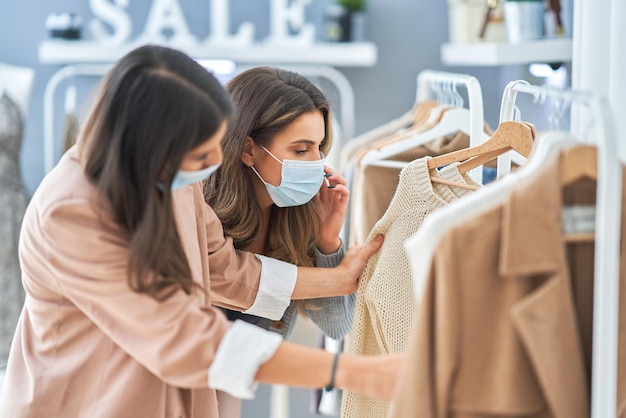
(502,328)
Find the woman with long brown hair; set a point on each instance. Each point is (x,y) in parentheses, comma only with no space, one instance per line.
(275,196)
(121,260)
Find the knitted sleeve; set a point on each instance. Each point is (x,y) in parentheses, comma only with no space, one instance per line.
(332,315)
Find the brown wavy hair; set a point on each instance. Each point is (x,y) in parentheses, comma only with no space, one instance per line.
(266,101)
(154,106)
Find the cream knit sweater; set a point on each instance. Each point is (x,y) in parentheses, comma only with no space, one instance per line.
(385,298)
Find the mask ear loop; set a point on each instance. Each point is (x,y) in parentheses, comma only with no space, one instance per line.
(272,155)
(258,175)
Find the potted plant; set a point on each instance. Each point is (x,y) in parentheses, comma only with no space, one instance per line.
(345,21)
(523,19)
(352,6)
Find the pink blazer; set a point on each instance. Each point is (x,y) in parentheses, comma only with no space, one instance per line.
(86,345)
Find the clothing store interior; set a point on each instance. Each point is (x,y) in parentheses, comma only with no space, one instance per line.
(481,138)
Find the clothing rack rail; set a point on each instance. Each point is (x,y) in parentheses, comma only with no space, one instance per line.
(332,75)
(428,81)
(437,85)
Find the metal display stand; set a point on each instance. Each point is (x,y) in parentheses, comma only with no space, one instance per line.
(319,61)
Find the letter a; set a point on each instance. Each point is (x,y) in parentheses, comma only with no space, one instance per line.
(167,15)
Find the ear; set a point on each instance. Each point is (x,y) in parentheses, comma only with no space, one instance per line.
(247,156)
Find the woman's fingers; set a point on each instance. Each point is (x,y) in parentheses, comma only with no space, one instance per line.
(333,178)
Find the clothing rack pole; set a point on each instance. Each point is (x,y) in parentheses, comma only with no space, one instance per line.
(607,242)
(427,81)
(48,104)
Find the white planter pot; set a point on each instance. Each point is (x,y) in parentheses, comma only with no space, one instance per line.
(523,20)
(465,19)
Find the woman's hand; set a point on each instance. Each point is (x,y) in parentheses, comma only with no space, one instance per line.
(315,282)
(333,198)
(374,376)
(296,365)
(355,260)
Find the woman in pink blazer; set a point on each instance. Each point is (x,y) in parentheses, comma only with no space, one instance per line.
(122,259)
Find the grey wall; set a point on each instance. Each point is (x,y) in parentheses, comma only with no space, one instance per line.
(408,34)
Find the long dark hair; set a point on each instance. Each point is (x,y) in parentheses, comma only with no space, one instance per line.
(266,101)
(154,106)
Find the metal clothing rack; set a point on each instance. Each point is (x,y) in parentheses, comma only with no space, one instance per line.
(429,82)
(442,87)
(607,241)
(335,77)
(67,71)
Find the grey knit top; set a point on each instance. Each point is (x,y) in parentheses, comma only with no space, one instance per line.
(332,315)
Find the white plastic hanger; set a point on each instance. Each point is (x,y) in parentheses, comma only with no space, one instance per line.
(468,120)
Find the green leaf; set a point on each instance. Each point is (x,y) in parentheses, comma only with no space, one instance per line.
(352,5)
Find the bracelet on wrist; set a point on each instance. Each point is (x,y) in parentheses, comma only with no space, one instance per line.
(331,385)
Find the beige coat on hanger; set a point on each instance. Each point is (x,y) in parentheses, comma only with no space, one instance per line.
(502,329)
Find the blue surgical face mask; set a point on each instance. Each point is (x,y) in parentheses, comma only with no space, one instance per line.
(183,178)
(300,181)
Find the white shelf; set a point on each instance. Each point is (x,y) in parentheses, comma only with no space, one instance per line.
(350,54)
(492,54)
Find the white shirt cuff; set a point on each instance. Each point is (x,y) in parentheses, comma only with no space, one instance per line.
(278,279)
(240,354)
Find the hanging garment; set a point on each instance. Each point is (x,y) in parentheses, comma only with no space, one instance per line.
(411,118)
(504,321)
(70,131)
(71,128)
(373,187)
(354,150)
(385,302)
(13,201)
(332,315)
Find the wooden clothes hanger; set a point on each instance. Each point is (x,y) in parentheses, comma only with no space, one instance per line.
(485,157)
(578,163)
(518,136)
(428,119)
(429,114)
(422,112)
(452,120)
(398,126)
(508,136)
(575,164)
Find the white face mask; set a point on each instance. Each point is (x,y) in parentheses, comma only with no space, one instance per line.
(183,178)
(300,181)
